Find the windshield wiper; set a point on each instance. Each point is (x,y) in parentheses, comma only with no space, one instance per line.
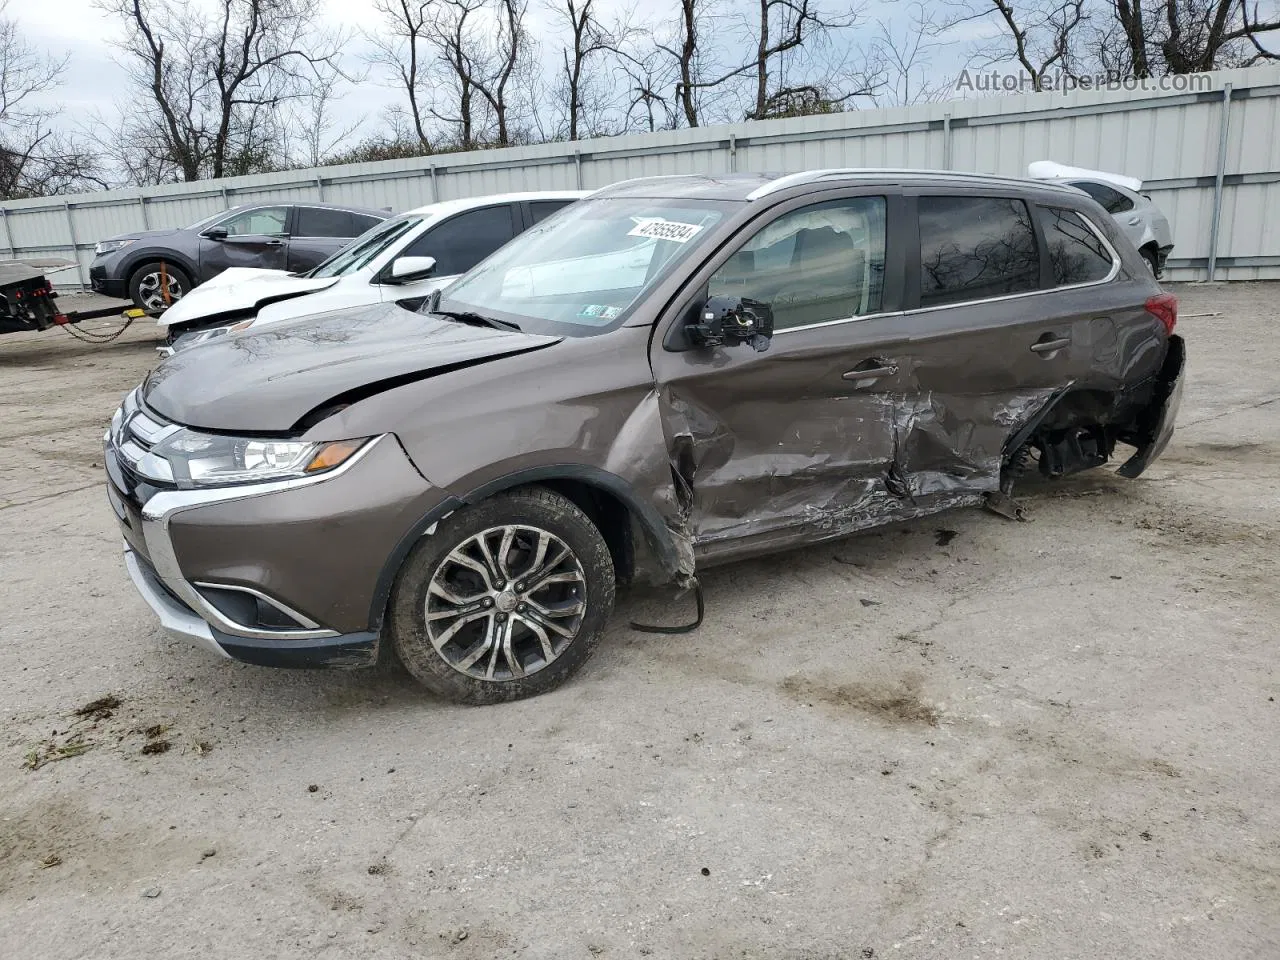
(476,319)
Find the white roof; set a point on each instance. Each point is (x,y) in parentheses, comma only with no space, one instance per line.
(445,207)
(1049,170)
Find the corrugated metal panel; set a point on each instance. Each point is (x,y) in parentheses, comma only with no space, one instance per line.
(1169,139)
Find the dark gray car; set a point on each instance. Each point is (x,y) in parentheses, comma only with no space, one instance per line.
(155,267)
(670,374)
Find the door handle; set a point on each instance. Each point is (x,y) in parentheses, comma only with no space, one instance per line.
(879,371)
(1049,346)
(1135,221)
(275,243)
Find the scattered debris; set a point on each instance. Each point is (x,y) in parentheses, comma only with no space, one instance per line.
(946,536)
(313,788)
(151,892)
(155,747)
(206,854)
(155,730)
(868,603)
(101,709)
(51,751)
(1145,834)
(706,871)
(52,860)
(377,869)
(202,747)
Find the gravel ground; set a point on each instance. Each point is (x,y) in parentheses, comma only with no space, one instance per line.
(962,737)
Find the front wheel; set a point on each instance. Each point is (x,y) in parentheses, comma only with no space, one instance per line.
(504,600)
(154,286)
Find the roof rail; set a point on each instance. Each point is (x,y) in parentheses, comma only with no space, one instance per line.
(622,183)
(813,176)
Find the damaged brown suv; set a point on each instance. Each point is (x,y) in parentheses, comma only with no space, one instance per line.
(673,373)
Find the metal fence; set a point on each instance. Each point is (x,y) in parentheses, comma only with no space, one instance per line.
(1209,154)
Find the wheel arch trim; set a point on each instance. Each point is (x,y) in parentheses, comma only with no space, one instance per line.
(643,511)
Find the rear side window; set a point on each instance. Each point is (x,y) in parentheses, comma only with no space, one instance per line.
(1075,252)
(1112,201)
(318,222)
(972,248)
(460,243)
(541,209)
(812,265)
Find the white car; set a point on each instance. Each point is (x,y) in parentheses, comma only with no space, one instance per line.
(403,258)
(1122,197)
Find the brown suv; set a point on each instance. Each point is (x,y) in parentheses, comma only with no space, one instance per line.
(673,373)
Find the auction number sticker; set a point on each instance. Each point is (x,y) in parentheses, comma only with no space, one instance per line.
(659,229)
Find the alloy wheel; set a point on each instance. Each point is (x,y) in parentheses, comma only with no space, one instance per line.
(150,290)
(506,602)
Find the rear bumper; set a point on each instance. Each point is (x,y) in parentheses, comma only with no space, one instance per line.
(1155,422)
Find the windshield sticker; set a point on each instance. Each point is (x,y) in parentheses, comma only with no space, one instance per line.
(659,229)
(592,310)
(611,312)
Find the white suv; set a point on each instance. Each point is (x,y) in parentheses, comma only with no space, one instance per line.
(403,258)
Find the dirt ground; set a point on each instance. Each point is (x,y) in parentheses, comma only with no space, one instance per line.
(964,737)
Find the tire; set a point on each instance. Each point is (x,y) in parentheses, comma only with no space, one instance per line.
(464,656)
(1153,261)
(145,286)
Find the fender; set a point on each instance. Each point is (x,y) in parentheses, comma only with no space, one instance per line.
(645,513)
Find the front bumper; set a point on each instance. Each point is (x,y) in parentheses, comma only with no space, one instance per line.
(284,573)
(108,286)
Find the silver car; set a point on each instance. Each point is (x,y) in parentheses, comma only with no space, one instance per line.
(1135,212)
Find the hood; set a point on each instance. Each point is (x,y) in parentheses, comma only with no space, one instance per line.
(239,289)
(142,235)
(268,381)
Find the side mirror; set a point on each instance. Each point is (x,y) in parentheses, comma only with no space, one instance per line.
(730,321)
(215,233)
(407,269)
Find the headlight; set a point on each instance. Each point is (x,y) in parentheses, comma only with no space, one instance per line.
(109,246)
(209,460)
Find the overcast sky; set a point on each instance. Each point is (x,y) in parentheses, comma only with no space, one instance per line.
(93,83)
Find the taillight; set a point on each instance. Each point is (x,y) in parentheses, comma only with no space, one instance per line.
(1164,307)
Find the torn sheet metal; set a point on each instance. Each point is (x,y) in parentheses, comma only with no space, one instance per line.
(835,465)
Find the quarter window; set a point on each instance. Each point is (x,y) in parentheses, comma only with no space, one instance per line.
(818,263)
(1075,252)
(263,221)
(972,248)
(1112,201)
(462,242)
(541,209)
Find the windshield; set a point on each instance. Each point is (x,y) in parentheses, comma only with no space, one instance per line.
(364,248)
(579,272)
(204,221)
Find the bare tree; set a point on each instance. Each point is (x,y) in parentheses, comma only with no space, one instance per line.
(1041,36)
(319,134)
(213,77)
(401,46)
(904,51)
(786,34)
(35,159)
(1187,36)
(508,52)
(589,41)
